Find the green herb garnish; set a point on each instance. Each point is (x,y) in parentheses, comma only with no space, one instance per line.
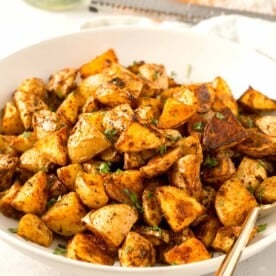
(110,134)
(134,200)
(155,75)
(104,167)
(162,149)
(51,202)
(173,138)
(154,121)
(26,134)
(198,126)
(189,70)
(250,123)
(261,163)
(60,249)
(220,115)
(210,161)
(173,74)
(250,189)
(13,230)
(261,227)
(149,194)
(59,94)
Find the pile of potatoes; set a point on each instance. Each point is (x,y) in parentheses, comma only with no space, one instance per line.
(128,165)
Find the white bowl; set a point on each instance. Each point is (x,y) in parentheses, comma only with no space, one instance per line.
(177,50)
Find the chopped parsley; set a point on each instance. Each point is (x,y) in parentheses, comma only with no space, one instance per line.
(149,194)
(110,134)
(134,200)
(261,163)
(173,138)
(261,227)
(26,134)
(104,167)
(154,121)
(173,74)
(155,75)
(198,126)
(250,189)
(60,249)
(118,170)
(51,202)
(210,161)
(189,70)
(59,94)
(250,123)
(13,230)
(220,115)
(162,149)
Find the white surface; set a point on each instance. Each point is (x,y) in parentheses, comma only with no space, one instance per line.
(21,25)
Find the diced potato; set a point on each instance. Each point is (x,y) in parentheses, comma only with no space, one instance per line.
(5,145)
(86,141)
(98,64)
(56,188)
(223,96)
(27,104)
(207,230)
(156,235)
(136,251)
(24,141)
(189,251)
(95,119)
(88,248)
(133,160)
(179,209)
(137,138)
(255,100)
(90,105)
(148,110)
(257,145)
(111,155)
(151,210)
(68,174)
(8,165)
(62,82)
(64,217)
(155,76)
(266,191)
(251,172)
(11,123)
(230,202)
(90,188)
(175,113)
(32,197)
(33,228)
(35,86)
(186,175)
(111,222)
(223,131)
(6,199)
(125,186)
(267,124)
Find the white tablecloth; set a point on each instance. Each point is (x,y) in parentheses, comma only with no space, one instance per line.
(21,25)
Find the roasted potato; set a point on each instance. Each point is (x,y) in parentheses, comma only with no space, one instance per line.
(266,191)
(7,168)
(34,86)
(267,124)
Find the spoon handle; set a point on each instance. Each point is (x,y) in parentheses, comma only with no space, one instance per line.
(230,261)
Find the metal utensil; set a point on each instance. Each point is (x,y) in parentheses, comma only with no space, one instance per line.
(169,10)
(230,261)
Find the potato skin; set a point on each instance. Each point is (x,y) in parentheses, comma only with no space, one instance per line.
(136,251)
(33,228)
(64,217)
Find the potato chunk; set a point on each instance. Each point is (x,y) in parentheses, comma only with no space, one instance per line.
(32,197)
(189,251)
(33,228)
(179,209)
(230,202)
(266,192)
(90,188)
(35,86)
(111,222)
(7,168)
(267,124)
(88,248)
(136,251)
(64,217)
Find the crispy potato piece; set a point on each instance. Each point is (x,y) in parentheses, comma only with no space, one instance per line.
(207,230)
(125,186)
(68,174)
(11,123)
(266,191)
(118,118)
(154,234)
(223,96)
(33,228)
(111,155)
(154,75)
(6,199)
(223,131)
(24,141)
(151,210)
(189,251)
(185,174)
(171,136)
(111,222)
(179,209)
(88,248)
(32,197)
(230,200)
(223,171)
(62,82)
(175,113)
(64,217)
(86,141)
(8,165)
(90,188)
(90,105)
(56,188)
(137,138)
(98,64)
(136,251)
(208,198)
(267,124)
(257,145)
(5,145)
(35,86)
(251,172)
(133,160)
(69,108)
(27,104)
(256,101)
(33,160)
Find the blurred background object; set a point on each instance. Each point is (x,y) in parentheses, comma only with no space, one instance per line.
(55,4)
